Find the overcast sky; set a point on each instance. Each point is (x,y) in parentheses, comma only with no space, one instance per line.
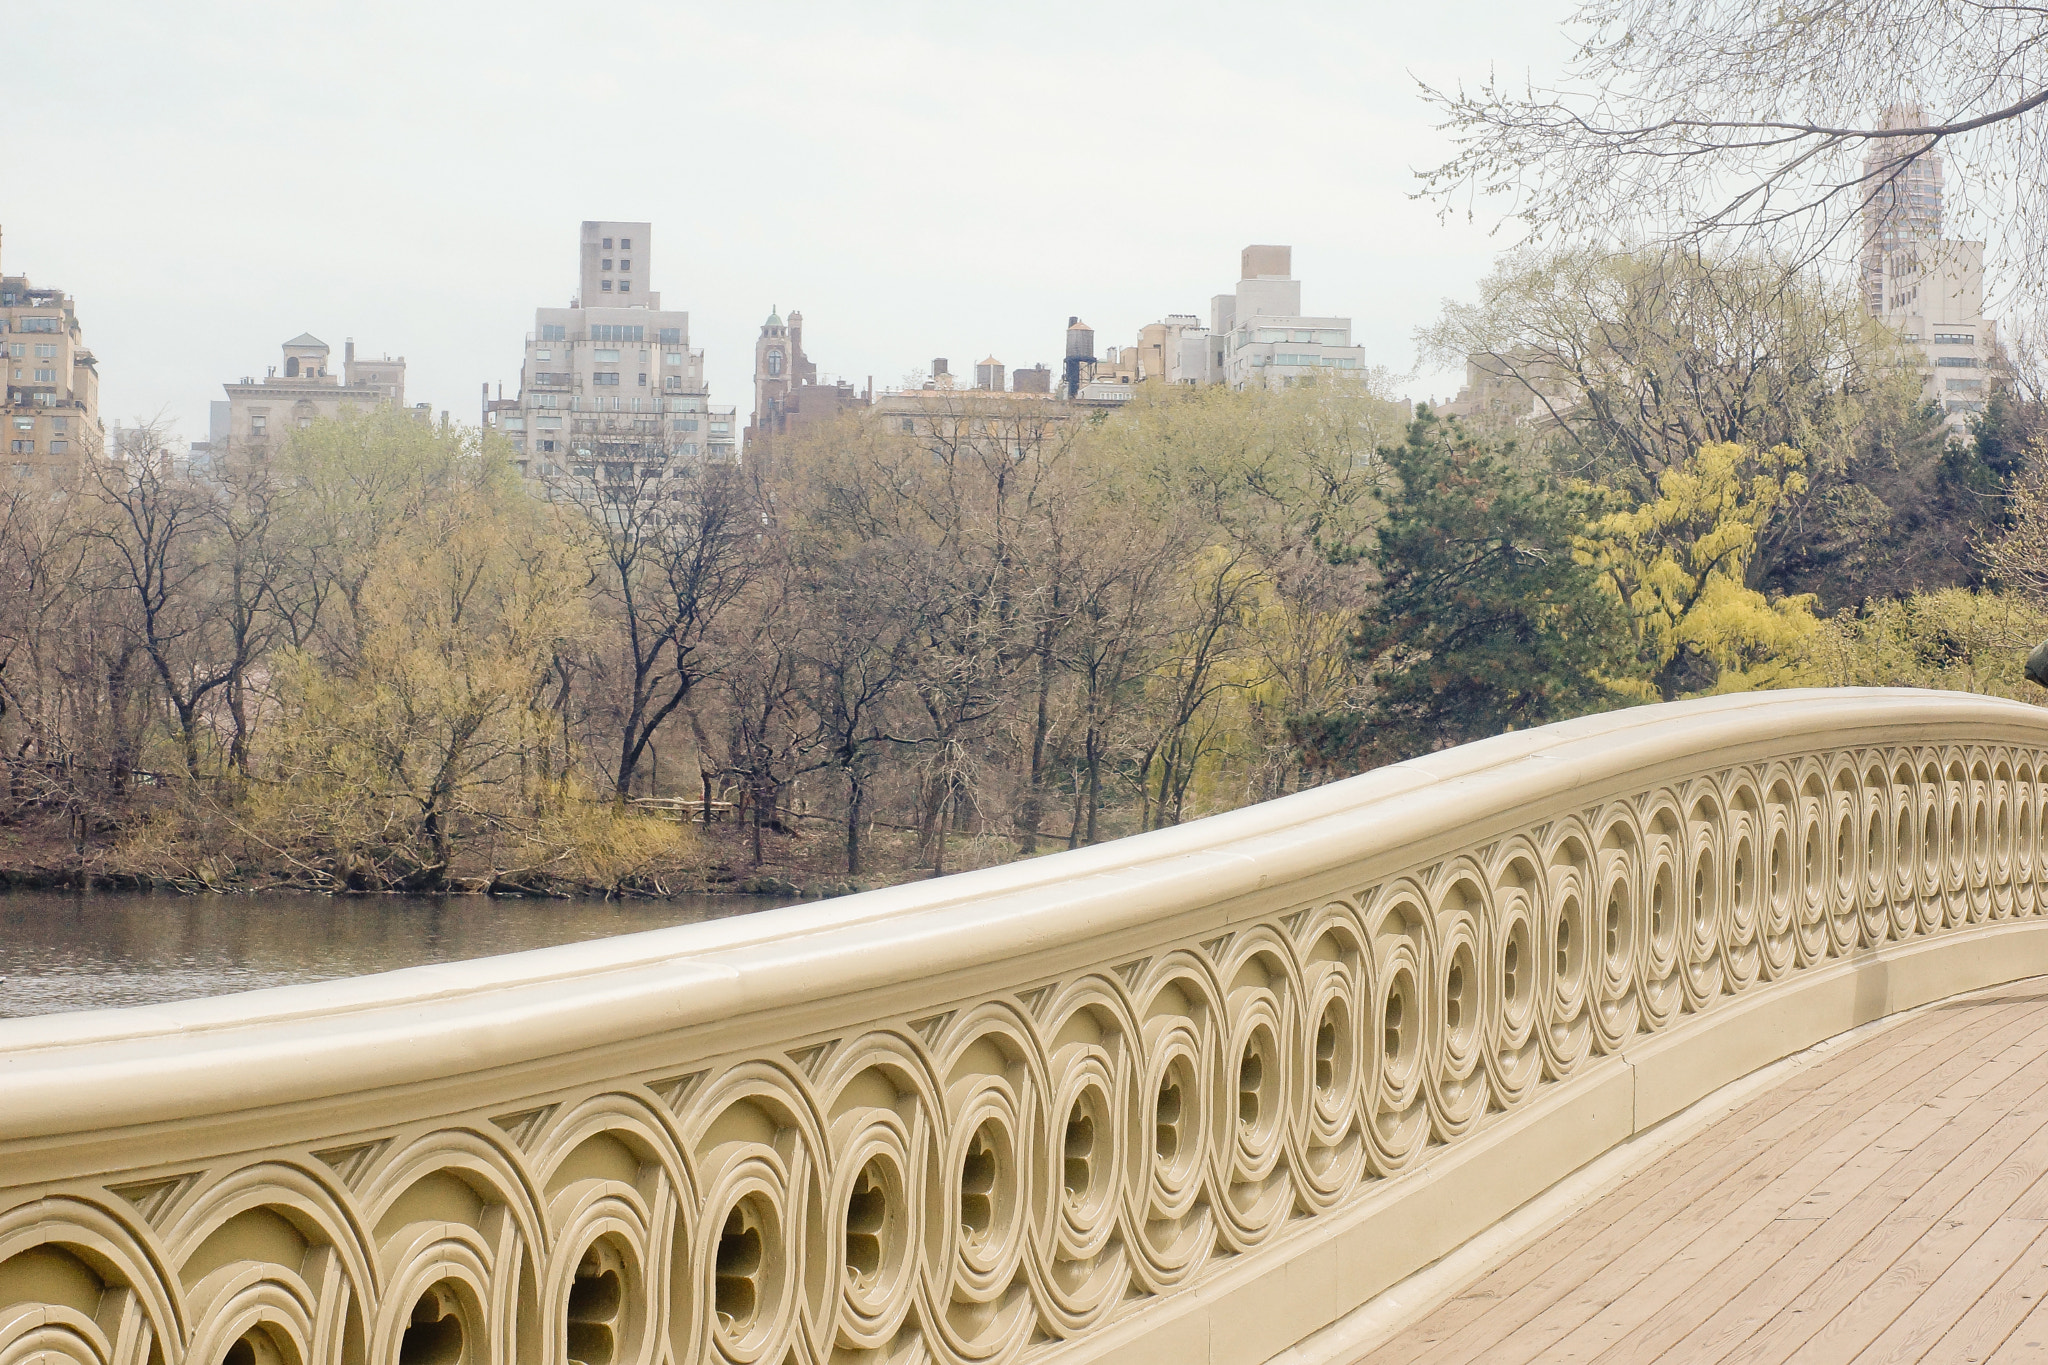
(921,180)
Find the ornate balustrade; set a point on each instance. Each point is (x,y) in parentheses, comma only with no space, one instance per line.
(1186,1097)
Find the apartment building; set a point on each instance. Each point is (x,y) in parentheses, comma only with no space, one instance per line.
(1176,350)
(302,388)
(609,388)
(52,407)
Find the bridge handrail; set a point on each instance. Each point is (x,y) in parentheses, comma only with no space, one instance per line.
(1328,987)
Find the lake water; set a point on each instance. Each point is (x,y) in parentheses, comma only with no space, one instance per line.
(70,951)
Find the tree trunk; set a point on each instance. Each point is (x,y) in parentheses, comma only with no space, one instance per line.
(854,795)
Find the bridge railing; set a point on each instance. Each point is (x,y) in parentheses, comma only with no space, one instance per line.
(1189,1097)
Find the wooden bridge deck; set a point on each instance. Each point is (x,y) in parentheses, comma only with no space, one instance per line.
(1889,1203)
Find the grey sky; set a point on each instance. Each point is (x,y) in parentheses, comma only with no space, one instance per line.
(921,180)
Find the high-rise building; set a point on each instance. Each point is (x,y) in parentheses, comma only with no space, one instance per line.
(1926,287)
(1259,335)
(1902,196)
(298,391)
(53,385)
(610,388)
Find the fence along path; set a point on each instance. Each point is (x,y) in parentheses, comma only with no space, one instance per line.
(1887,1204)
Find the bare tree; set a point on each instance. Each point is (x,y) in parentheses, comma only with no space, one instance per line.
(1711,118)
(1636,358)
(154,535)
(672,543)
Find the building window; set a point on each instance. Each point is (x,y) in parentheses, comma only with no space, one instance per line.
(605,378)
(22,447)
(672,383)
(552,331)
(24,424)
(686,424)
(35,324)
(543,355)
(625,243)
(1954,339)
(46,350)
(774,361)
(625,286)
(672,336)
(606,286)
(721,428)
(18,350)
(607,244)
(60,447)
(59,424)
(643,381)
(605,353)
(46,376)
(258,423)
(1954,361)
(626,265)
(613,331)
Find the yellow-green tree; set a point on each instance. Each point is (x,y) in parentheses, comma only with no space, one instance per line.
(1678,562)
(1953,639)
(411,729)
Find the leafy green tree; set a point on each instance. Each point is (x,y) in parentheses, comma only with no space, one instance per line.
(1483,621)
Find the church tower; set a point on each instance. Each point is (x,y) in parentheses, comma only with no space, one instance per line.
(772,370)
(786,387)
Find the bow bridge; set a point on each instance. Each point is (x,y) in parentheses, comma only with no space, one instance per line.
(1216,1093)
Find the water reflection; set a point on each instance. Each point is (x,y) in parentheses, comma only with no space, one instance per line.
(64,951)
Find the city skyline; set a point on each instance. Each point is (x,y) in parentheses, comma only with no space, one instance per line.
(826,145)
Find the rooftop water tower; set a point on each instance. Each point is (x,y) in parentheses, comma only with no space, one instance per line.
(1080,351)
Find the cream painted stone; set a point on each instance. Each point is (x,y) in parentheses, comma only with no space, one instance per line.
(1194,1095)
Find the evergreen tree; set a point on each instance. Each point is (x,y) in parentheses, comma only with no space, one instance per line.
(1483,621)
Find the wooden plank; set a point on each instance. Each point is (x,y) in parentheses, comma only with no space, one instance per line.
(1847,1266)
(1932,1306)
(1999,1309)
(1653,1327)
(1614,1225)
(1544,1336)
(2026,1344)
